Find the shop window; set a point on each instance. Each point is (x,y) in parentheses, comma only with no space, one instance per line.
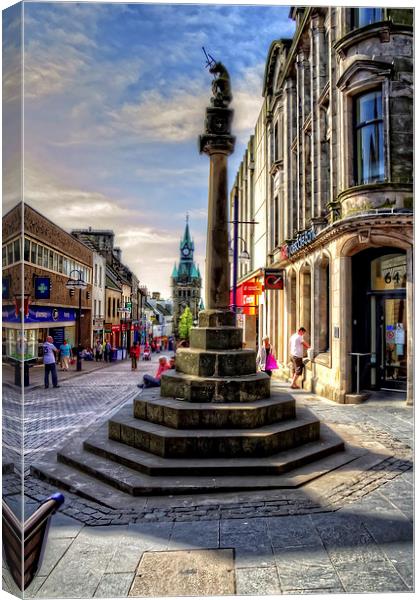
(360,17)
(26,256)
(389,272)
(369,138)
(324,306)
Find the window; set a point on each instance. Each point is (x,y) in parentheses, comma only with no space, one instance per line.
(365,16)
(33,252)
(51,260)
(60,263)
(45,261)
(276,141)
(100,308)
(10,254)
(4,256)
(17,247)
(109,307)
(27,250)
(94,308)
(96,274)
(369,138)
(323,300)
(389,272)
(100,276)
(276,222)
(113,307)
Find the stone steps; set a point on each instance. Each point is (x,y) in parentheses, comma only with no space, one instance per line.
(193,388)
(215,363)
(157,466)
(210,443)
(179,414)
(90,476)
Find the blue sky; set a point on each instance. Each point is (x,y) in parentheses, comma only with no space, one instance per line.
(115,97)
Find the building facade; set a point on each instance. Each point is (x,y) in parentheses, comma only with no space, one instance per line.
(339,198)
(186,281)
(98,300)
(38,260)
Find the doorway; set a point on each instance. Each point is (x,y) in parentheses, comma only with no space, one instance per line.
(391,327)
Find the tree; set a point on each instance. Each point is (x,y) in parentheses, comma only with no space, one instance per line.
(185,324)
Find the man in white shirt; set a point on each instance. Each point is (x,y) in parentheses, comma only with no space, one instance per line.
(297,344)
(49,362)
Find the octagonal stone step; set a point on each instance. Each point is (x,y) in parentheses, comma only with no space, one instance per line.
(216,363)
(207,443)
(192,388)
(216,338)
(183,415)
(157,466)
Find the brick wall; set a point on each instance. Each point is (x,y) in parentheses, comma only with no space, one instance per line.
(12,223)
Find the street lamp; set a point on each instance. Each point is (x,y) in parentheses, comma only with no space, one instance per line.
(79,284)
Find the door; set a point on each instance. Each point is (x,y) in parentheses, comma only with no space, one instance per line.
(392,342)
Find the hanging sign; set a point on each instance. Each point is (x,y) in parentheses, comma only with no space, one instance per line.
(42,288)
(273,279)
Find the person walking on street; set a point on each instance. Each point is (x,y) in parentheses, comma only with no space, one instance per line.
(108,349)
(149,380)
(135,355)
(98,351)
(297,344)
(49,362)
(65,351)
(265,358)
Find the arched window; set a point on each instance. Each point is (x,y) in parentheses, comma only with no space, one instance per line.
(324,305)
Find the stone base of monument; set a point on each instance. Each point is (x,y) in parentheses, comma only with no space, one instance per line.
(212,426)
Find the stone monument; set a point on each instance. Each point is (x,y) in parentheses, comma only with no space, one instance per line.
(214,424)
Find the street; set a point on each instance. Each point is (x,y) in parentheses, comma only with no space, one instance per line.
(329,536)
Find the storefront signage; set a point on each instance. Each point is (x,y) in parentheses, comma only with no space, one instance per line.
(303,239)
(253,287)
(98,323)
(42,288)
(273,279)
(39,314)
(115,328)
(108,327)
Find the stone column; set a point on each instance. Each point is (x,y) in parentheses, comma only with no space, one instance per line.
(218,143)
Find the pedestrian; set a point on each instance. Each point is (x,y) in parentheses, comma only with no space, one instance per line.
(49,362)
(297,344)
(265,358)
(135,355)
(149,380)
(98,351)
(108,350)
(65,351)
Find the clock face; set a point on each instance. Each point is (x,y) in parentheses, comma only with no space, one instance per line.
(185,251)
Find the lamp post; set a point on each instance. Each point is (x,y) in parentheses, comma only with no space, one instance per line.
(79,284)
(143,294)
(124,312)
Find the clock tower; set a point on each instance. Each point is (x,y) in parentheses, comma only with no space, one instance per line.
(186,280)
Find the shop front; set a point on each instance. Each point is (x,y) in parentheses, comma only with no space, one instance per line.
(248,294)
(39,322)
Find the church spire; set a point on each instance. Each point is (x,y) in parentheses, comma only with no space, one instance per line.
(187,245)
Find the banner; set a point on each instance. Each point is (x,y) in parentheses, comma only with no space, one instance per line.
(38,314)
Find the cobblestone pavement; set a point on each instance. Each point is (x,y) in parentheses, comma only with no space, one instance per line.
(50,417)
(354,537)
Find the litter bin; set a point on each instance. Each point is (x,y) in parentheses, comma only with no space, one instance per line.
(18,372)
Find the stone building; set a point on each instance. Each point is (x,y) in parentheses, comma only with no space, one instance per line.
(38,258)
(338,104)
(186,281)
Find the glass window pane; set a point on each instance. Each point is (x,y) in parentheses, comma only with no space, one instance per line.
(45,262)
(66,266)
(10,254)
(366,16)
(17,247)
(370,153)
(55,261)
(389,272)
(39,258)
(369,107)
(33,253)
(51,259)
(60,263)
(27,249)
(4,256)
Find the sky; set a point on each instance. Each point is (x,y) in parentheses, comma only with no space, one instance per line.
(114,101)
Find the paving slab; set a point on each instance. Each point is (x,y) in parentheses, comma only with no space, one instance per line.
(305,568)
(197,534)
(114,585)
(185,573)
(257,581)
